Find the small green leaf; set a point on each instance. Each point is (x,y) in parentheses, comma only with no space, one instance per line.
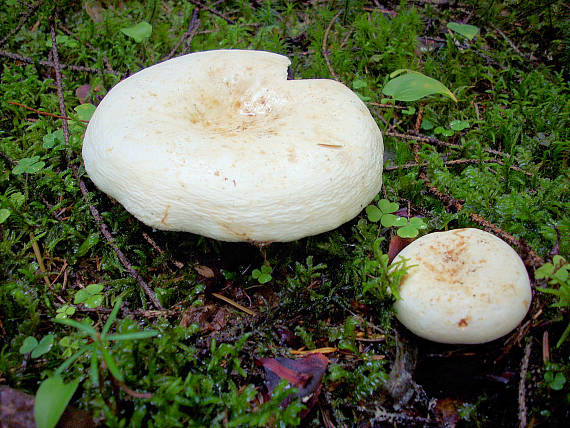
(374,214)
(94,301)
(447,133)
(28,166)
(28,345)
(138,32)
(112,317)
(133,336)
(387,207)
(86,328)
(43,347)
(4,214)
(414,86)
(409,111)
(400,222)
(418,223)
(17,199)
(408,231)
(51,400)
(545,271)
(426,125)
(388,220)
(91,240)
(111,365)
(359,84)
(459,125)
(557,383)
(466,30)
(85,111)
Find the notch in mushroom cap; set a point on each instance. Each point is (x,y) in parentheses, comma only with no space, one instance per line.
(221,144)
(463,286)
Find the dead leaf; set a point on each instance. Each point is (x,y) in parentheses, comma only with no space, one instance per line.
(205,271)
(397,244)
(82,93)
(446,412)
(305,373)
(94,10)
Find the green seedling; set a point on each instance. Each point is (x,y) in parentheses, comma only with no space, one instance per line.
(138,32)
(554,377)
(51,400)
(100,344)
(36,348)
(557,275)
(263,275)
(30,165)
(383,213)
(409,85)
(90,296)
(465,30)
(65,311)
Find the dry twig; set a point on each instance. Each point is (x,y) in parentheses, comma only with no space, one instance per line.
(213,11)
(522,386)
(324,49)
(187,37)
(43,113)
(27,60)
(83,188)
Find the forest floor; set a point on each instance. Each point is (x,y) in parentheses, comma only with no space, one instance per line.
(128,326)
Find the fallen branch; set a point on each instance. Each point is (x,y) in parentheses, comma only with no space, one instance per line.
(457,162)
(43,113)
(94,212)
(213,11)
(529,257)
(187,37)
(27,60)
(522,386)
(435,141)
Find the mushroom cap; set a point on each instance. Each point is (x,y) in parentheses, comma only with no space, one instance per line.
(462,286)
(221,144)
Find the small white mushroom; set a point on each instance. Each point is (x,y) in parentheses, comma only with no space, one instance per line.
(221,144)
(463,286)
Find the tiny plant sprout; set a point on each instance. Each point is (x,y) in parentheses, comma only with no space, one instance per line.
(462,286)
(221,144)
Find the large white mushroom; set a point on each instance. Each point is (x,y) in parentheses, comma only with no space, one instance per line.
(462,286)
(221,144)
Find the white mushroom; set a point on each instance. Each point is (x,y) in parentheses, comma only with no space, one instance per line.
(221,144)
(462,286)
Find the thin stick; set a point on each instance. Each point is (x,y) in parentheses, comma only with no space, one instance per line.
(22,22)
(27,60)
(324,48)
(187,37)
(39,258)
(98,219)
(43,113)
(523,423)
(214,11)
(431,140)
(234,304)
(458,162)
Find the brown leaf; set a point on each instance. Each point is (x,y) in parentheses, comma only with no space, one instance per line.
(447,412)
(397,244)
(205,271)
(94,10)
(305,373)
(82,93)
